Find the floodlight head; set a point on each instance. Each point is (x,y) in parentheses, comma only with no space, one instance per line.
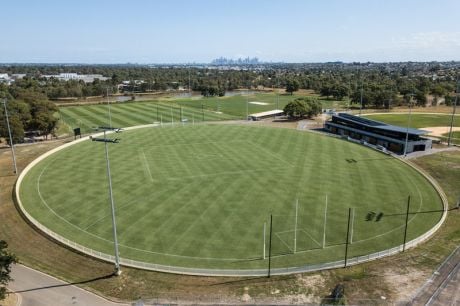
(115,140)
(107,128)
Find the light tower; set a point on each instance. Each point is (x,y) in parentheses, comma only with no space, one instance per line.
(112,203)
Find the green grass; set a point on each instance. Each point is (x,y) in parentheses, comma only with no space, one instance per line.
(455,138)
(198,196)
(131,114)
(417,120)
(167,110)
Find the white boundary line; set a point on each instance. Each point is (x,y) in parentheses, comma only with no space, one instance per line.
(146,164)
(222,272)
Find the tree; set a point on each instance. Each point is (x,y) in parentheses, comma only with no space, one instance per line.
(302,107)
(43,119)
(420,98)
(6,259)
(16,126)
(291,86)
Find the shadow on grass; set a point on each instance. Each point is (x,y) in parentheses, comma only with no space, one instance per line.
(421,212)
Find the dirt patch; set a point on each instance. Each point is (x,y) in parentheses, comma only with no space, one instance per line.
(440,130)
(404,285)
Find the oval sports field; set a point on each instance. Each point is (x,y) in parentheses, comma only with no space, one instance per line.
(200,197)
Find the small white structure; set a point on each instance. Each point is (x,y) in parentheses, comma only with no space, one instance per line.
(4,78)
(267,114)
(87,78)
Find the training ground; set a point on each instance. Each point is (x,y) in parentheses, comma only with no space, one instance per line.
(196,198)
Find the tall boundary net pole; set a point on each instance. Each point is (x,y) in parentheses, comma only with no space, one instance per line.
(270,246)
(295,225)
(202,112)
(453,116)
(265,228)
(407,222)
(325,224)
(108,104)
(15,168)
(352,225)
(348,235)
(247,105)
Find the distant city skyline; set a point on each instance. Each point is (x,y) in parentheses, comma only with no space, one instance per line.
(141,31)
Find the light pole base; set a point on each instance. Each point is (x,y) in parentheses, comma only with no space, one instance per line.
(117,272)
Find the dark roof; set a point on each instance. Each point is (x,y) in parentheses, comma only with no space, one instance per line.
(380,125)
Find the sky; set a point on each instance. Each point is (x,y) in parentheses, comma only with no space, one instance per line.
(174,31)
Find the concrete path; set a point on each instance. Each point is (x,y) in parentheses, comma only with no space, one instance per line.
(35,288)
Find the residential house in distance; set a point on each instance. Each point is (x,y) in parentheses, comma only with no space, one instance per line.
(87,78)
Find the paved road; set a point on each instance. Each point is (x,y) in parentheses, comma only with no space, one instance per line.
(38,289)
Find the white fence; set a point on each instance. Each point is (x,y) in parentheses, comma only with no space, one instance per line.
(222,272)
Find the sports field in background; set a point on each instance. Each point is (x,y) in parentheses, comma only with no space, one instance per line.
(198,196)
(196,109)
(417,120)
(455,138)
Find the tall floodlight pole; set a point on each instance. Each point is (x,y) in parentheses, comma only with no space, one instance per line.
(108,103)
(453,116)
(112,203)
(361,100)
(15,168)
(408,124)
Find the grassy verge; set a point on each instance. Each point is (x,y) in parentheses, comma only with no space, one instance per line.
(455,138)
(395,277)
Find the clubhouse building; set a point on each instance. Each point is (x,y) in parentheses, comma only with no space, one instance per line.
(379,134)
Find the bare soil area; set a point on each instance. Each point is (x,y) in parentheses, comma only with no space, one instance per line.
(440,130)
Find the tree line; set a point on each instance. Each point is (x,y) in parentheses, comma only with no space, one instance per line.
(29,110)
(376,85)
(364,84)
